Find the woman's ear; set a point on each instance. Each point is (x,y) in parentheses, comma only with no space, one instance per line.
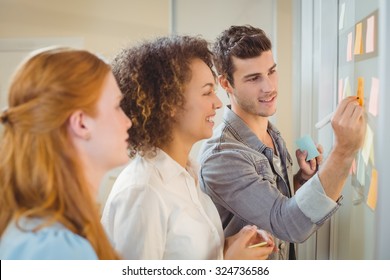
(80,125)
(173,112)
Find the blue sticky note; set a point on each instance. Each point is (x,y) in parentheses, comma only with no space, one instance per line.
(307,144)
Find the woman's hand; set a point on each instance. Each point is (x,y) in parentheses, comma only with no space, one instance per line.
(237,247)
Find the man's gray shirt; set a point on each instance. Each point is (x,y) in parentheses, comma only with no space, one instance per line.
(238,172)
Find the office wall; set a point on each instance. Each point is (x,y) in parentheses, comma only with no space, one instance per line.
(284,48)
(103,25)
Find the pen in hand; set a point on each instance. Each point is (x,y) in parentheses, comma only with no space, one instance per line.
(261,244)
(324,121)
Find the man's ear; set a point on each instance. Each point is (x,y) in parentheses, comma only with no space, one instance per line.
(80,125)
(225,84)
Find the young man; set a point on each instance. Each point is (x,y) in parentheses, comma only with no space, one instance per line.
(245,166)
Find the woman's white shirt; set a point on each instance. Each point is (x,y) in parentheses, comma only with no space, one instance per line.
(156,210)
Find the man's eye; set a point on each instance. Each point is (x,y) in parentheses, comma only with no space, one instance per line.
(255,78)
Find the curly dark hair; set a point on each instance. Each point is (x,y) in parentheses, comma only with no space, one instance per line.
(243,42)
(152,77)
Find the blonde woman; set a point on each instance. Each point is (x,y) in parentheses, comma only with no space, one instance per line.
(63,129)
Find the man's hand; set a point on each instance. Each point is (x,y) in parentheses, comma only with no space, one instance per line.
(349,126)
(309,168)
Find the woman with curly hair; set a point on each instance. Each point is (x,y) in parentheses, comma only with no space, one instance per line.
(156,209)
(63,130)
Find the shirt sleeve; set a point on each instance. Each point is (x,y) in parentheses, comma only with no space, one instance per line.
(313,201)
(135,221)
(245,187)
(49,243)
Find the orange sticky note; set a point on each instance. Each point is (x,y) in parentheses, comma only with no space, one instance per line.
(358,39)
(360,91)
(373,191)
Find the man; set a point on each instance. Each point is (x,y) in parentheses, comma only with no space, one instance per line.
(245,166)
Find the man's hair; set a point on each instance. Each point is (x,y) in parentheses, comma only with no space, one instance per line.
(240,41)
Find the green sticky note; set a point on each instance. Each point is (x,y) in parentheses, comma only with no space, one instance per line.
(306,143)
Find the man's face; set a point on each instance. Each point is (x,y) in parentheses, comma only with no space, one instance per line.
(255,85)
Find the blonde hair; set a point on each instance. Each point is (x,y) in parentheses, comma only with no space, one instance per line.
(40,173)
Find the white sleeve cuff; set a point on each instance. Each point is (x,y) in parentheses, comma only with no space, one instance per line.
(313,201)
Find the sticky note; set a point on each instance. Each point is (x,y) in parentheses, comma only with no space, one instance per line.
(340,90)
(349,47)
(306,143)
(373,106)
(372,155)
(370,40)
(353,168)
(373,190)
(360,170)
(368,141)
(360,91)
(358,39)
(342,14)
(347,88)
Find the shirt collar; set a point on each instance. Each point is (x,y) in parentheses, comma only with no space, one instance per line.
(168,168)
(243,133)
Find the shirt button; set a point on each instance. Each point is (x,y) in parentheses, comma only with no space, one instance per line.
(282,245)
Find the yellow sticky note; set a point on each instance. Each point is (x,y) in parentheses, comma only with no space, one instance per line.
(358,39)
(360,91)
(368,142)
(347,88)
(373,190)
(372,155)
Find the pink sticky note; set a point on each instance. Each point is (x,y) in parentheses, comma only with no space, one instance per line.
(341,90)
(373,106)
(349,47)
(352,170)
(370,34)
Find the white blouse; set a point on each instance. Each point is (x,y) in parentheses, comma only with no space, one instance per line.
(156,210)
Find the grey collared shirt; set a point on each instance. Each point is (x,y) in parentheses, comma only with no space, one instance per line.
(238,172)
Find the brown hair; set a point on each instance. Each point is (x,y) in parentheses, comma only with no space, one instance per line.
(152,76)
(240,41)
(40,173)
